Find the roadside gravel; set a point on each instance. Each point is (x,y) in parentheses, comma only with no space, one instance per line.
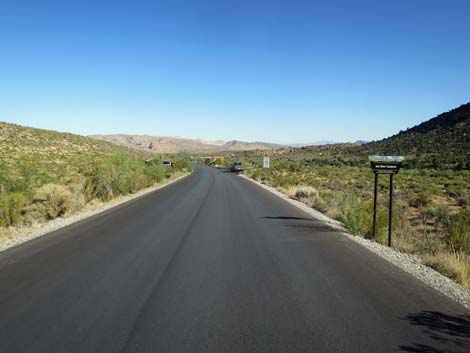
(40,229)
(408,263)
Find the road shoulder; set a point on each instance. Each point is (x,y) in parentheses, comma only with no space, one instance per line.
(58,223)
(406,262)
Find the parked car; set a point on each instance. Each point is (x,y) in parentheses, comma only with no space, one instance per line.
(166,164)
(236,167)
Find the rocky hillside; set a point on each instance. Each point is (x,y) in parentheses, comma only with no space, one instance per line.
(167,144)
(48,174)
(36,156)
(442,142)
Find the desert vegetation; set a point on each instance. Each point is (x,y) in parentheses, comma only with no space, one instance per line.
(46,174)
(431,215)
(441,143)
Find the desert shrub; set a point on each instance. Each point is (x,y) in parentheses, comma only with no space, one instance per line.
(316,202)
(420,200)
(53,200)
(119,172)
(11,208)
(356,213)
(110,178)
(98,187)
(404,235)
(139,180)
(77,189)
(301,191)
(185,163)
(452,265)
(353,213)
(295,167)
(457,235)
(308,195)
(255,174)
(406,240)
(463,201)
(155,170)
(442,215)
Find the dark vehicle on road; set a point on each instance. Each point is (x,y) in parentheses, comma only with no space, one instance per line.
(236,167)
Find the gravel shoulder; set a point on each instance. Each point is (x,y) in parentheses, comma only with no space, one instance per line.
(28,233)
(408,263)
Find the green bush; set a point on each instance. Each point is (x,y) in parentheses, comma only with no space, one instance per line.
(356,214)
(441,216)
(457,236)
(185,163)
(110,178)
(139,180)
(463,201)
(353,213)
(420,200)
(120,174)
(118,171)
(96,187)
(155,170)
(11,208)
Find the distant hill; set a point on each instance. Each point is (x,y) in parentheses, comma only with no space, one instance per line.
(47,174)
(442,142)
(317,143)
(37,156)
(168,144)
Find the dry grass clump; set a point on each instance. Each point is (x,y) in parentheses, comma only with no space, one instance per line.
(301,191)
(51,201)
(11,206)
(457,232)
(308,195)
(451,264)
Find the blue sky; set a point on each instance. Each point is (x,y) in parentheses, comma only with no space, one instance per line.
(280,71)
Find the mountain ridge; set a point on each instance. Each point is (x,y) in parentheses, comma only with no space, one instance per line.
(175,144)
(442,142)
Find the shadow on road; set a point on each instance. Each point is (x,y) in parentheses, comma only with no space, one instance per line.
(285,217)
(310,224)
(445,330)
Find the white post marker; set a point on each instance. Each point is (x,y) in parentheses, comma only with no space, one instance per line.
(266,162)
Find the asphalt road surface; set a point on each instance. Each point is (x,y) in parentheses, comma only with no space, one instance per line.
(213,263)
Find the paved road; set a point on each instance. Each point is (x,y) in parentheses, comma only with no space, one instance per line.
(214,263)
